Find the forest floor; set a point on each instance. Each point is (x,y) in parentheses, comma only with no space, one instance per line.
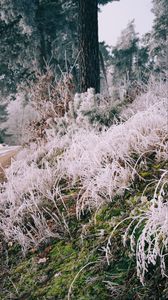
(75,267)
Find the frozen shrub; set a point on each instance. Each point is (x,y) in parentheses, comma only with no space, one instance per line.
(50,98)
(39,109)
(96,110)
(156,93)
(19,114)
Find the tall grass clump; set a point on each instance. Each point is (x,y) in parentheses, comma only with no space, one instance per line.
(151,244)
(80,161)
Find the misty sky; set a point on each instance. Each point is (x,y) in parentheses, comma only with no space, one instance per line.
(115,16)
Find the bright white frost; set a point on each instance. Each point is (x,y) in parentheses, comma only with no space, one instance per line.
(98,164)
(153,239)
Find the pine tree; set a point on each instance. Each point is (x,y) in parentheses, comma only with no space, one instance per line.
(125,54)
(19,41)
(56,20)
(38,32)
(32,34)
(159,35)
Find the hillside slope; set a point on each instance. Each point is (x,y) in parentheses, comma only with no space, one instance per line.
(83,215)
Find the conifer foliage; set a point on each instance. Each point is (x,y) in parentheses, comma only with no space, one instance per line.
(159,35)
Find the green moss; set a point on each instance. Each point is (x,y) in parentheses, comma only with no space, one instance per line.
(145,174)
(21,268)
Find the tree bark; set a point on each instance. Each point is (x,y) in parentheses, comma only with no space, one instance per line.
(40,27)
(89,69)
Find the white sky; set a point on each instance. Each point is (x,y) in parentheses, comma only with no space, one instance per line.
(115,16)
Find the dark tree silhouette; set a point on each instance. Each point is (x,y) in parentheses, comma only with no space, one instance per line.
(89,69)
(88,45)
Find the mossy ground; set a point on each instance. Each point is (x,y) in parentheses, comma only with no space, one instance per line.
(47,273)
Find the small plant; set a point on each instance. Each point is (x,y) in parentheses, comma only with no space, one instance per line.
(152,241)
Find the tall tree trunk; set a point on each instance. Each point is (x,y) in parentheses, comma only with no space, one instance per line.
(88,45)
(40,27)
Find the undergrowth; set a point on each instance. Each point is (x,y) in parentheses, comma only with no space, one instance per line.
(77,266)
(98,175)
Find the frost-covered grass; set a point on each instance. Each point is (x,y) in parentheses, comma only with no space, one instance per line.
(146,229)
(88,163)
(152,242)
